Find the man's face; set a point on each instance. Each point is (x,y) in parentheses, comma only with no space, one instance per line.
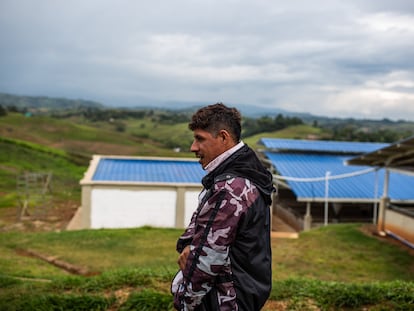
(207,147)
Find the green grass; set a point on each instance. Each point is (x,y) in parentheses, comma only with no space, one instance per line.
(169,135)
(82,137)
(302,131)
(330,268)
(334,267)
(49,129)
(18,157)
(89,248)
(305,294)
(340,253)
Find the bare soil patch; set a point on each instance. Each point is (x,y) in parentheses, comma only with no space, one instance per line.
(53,260)
(371,230)
(56,218)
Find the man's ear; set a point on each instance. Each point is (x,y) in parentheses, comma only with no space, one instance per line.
(225,136)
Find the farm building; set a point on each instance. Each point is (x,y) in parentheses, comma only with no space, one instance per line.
(393,219)
(316,186)
(125,192)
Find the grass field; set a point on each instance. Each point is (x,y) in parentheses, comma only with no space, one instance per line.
(135,266)
(302,131)
(84,137)
(338,267)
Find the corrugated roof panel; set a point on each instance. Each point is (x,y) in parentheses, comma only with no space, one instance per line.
(401,186)
(320,145)
(310,166)
(399,155)
(148,170)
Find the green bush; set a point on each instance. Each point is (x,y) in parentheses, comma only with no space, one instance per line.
(6,281)
(148,300)
(396,295)
(52,302)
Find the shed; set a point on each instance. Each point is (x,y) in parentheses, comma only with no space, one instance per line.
(316,172)
(125,192)
(394,220)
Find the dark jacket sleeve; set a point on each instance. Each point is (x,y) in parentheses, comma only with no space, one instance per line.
(209,256)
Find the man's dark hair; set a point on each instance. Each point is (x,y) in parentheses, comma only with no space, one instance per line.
(217,117)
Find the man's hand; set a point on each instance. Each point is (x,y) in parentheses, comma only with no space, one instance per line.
(182,259)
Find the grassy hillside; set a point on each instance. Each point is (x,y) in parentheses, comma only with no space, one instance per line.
(302,131)
(79,136)
(17,157)
(146,136)
(168,135)
(331,268)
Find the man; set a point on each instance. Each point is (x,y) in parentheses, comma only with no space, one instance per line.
(225,252)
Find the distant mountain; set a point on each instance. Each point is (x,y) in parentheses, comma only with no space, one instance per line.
(48,103)
(43,102)
(257,112)
(246,110)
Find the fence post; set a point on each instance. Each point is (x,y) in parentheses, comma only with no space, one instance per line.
(328,173)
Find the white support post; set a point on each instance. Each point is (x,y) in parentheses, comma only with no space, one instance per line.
(328,173)
(383,203)
(375,207)
(308,217)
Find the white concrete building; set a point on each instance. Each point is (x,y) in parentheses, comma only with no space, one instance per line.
(127,192)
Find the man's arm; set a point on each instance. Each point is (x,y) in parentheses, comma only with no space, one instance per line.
(209,256)
(187,237)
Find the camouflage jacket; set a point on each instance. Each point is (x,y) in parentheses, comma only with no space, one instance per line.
(229,266)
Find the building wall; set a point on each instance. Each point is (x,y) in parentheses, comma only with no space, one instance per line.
(128,206)
(191,203)
(400,225)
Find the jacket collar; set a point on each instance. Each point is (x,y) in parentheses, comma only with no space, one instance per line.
(222,157)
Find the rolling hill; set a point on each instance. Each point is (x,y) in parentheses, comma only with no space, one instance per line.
(60,135)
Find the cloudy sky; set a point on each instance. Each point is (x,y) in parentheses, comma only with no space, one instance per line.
(335,58)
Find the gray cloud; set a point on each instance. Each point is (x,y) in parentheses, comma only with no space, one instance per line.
(335,58)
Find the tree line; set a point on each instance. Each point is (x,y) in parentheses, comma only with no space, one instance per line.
(344,131)
(263,124)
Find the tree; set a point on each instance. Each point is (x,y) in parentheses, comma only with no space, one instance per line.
(3,111)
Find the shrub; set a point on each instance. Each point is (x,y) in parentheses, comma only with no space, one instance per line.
(148,300)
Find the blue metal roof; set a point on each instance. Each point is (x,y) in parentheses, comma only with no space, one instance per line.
(296,167)
(148,170)
(320,145)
